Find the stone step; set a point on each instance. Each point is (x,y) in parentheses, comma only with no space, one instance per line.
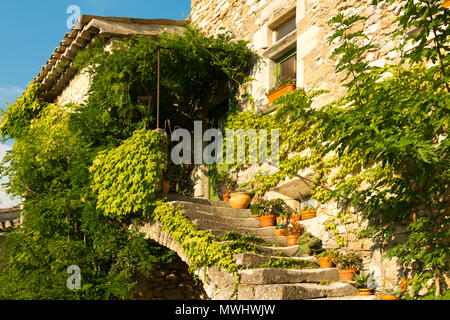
(298,291)
(228,212)
(214,203)
(232,222)
(283,276)
(269,239)
(280,251)
(210,224)
(252,260)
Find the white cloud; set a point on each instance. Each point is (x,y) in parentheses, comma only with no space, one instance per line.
(9,94)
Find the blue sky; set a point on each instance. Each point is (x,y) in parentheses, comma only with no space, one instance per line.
(31,30)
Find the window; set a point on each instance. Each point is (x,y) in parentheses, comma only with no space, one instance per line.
(287,67)
(284,29)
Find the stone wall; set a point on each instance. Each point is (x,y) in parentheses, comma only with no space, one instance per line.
(254,21)
(173,282)
(76,91)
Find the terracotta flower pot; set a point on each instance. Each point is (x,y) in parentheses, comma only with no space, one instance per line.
(165,186)
(325,263)
(240,200)
(267,221)
(226,196)
(308,214)
(278,232)
(292,240)
(383,297)
(365,292)
(346,275)
(278,93)
(296,217)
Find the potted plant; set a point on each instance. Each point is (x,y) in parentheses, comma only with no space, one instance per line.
(280,88)
(364,283)
(279,229)
(224,185)
(347,265)
(270,209)
(308,212)
(325,257)
(292,233)
(390,294)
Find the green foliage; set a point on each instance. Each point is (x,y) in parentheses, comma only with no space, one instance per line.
(281,84)
(276,207)
(296,229)
(224,179)
(364,280)
(193,66)
(383,146)
(347,261)
(17,117)
(289,264)
(201,247)
(127,178)
(76,217)
(48,167)
(309,244)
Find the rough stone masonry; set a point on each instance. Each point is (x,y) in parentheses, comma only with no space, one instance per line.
(256,21)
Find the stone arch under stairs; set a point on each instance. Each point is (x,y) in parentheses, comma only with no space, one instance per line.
(255,283)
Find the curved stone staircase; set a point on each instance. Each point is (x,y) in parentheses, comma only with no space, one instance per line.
(256,283)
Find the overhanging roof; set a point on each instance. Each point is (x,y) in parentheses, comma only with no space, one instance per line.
(82,35)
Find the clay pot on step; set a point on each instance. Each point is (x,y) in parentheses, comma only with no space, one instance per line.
(279,232)
(365,292)
(267,221)
(325,263)
(308,214)
(346,274)
(292,240)
(240,200)
(296,217)
(226,196)
(383,297)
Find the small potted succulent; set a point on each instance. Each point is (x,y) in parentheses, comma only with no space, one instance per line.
(347,265)
(365,283)
(390,294)
(325,257)
(293,233)
(280,88)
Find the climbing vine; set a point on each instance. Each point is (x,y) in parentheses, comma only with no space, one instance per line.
(382,150)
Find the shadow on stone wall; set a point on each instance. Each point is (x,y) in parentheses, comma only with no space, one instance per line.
(171,283)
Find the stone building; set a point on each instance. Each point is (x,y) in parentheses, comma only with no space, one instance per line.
(289,35)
